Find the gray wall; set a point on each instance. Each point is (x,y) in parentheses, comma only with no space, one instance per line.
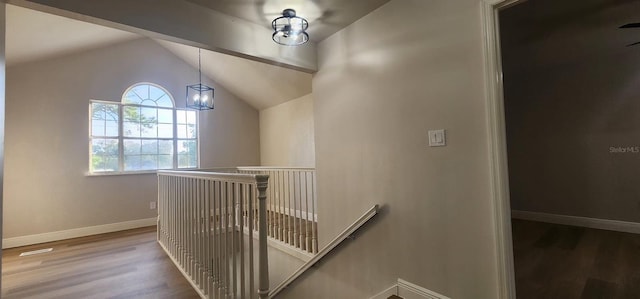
(383,82)
(47,137)
(564,116)
(287,134)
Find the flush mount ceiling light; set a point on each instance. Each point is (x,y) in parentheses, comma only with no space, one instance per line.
(199,96)
(289,29)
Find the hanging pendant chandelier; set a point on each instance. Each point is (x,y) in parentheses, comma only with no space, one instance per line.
(199,96)
(289,29)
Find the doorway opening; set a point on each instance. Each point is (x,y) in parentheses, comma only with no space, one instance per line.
(565,115)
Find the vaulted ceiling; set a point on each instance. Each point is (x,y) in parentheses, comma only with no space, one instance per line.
(325,17)
(33,35)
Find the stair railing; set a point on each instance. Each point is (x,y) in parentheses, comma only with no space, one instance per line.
(201,222)
(291,205)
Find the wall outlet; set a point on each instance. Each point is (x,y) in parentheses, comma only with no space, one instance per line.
(152,205)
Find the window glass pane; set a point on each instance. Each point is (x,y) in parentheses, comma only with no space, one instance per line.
(149,147)
(97,127)
(132,147)
(97,147)
(104,147)
(132,163)
(182,131)
(97,163)
(148,115)
(193,161)
(131,129)
(165,101)
(111,129)
(187,161)
(104,120)
(131,98)
(161,98)
(165,161)
(149,103)
(96,112)
(148,162)
(187,147)
(165,131)
(191,131)
(149,130)
(155,93)
(187,153)
(148,95)
(104,111)
(183,161)
(165,147)
(181,116)
(191,117)
(104,155)
(111,163)
(131,113)
(165,116)
(111,147)
(142,91)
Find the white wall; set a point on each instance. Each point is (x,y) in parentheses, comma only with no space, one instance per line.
(410,66)
(287,134)
(47,137)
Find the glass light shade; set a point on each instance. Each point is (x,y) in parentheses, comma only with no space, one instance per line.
(290,30)
(200,97)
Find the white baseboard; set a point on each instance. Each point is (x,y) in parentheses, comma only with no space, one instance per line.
(76,232)
(606,224)
(408,290)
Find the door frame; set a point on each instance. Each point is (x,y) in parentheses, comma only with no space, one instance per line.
(497,137)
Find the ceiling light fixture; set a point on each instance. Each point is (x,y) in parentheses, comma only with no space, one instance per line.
(289,29)
(199,96)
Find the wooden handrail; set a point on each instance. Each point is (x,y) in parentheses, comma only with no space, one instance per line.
(231,177)
(273,168)
(328,248)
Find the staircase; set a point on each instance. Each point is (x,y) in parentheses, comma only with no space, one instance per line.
(215,226)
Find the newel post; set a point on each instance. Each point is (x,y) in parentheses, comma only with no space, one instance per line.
(263,259)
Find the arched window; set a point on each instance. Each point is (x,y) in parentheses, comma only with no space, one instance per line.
(143,132)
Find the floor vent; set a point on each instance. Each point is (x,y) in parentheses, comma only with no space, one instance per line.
(34,252)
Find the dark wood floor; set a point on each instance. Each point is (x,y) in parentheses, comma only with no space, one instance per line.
(565,262)
(127,264)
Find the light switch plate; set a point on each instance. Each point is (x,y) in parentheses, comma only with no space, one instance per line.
(437,138)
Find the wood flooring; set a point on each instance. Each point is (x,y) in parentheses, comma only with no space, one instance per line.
(566,262)
(128,264)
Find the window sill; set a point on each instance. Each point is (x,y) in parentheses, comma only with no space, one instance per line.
(117,173)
